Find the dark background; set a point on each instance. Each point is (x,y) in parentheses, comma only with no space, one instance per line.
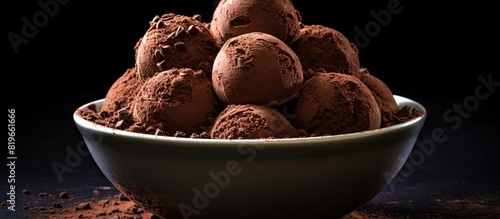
(429,52)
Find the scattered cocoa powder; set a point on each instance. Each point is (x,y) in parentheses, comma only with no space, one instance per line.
(122,120)
(404,114)
(118,206)
(69,206)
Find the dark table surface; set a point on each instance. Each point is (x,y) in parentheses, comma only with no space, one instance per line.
(437,54)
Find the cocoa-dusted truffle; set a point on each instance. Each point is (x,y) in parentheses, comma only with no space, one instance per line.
(256,68)
(276,17)
(176,100)
(122,91)
(336,103)
(252,122)
(324,49)
(382,93)
(174,40)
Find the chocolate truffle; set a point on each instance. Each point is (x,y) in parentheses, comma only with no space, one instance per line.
(336,103)
(122,91)
(176,100)
(256,68)
(251,122)
(174,40)
(382,93)
(324,49)
(276,17)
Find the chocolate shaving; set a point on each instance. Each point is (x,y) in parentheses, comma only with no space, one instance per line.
(197,17)
(180,46)
(180,32)
(165,51)
(193,30)
(162,65)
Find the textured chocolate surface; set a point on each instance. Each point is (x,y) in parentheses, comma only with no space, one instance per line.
(336,103)
(276,17)
(322,48)
(252,122)
(256,68)
(174,40)
(176,100)
(382,93)
(122,91)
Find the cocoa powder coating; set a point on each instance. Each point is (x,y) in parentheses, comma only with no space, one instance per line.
(122,91)
(252,122)
(383,95)
(336,103)
(174,40)
(324,49)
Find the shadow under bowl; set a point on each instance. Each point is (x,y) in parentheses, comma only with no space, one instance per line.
(313,177)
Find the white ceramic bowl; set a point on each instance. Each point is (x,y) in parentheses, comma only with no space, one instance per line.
(315,177)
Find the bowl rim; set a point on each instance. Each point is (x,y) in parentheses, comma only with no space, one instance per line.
(400,100)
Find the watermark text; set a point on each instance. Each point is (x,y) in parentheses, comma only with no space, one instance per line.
(11,158)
